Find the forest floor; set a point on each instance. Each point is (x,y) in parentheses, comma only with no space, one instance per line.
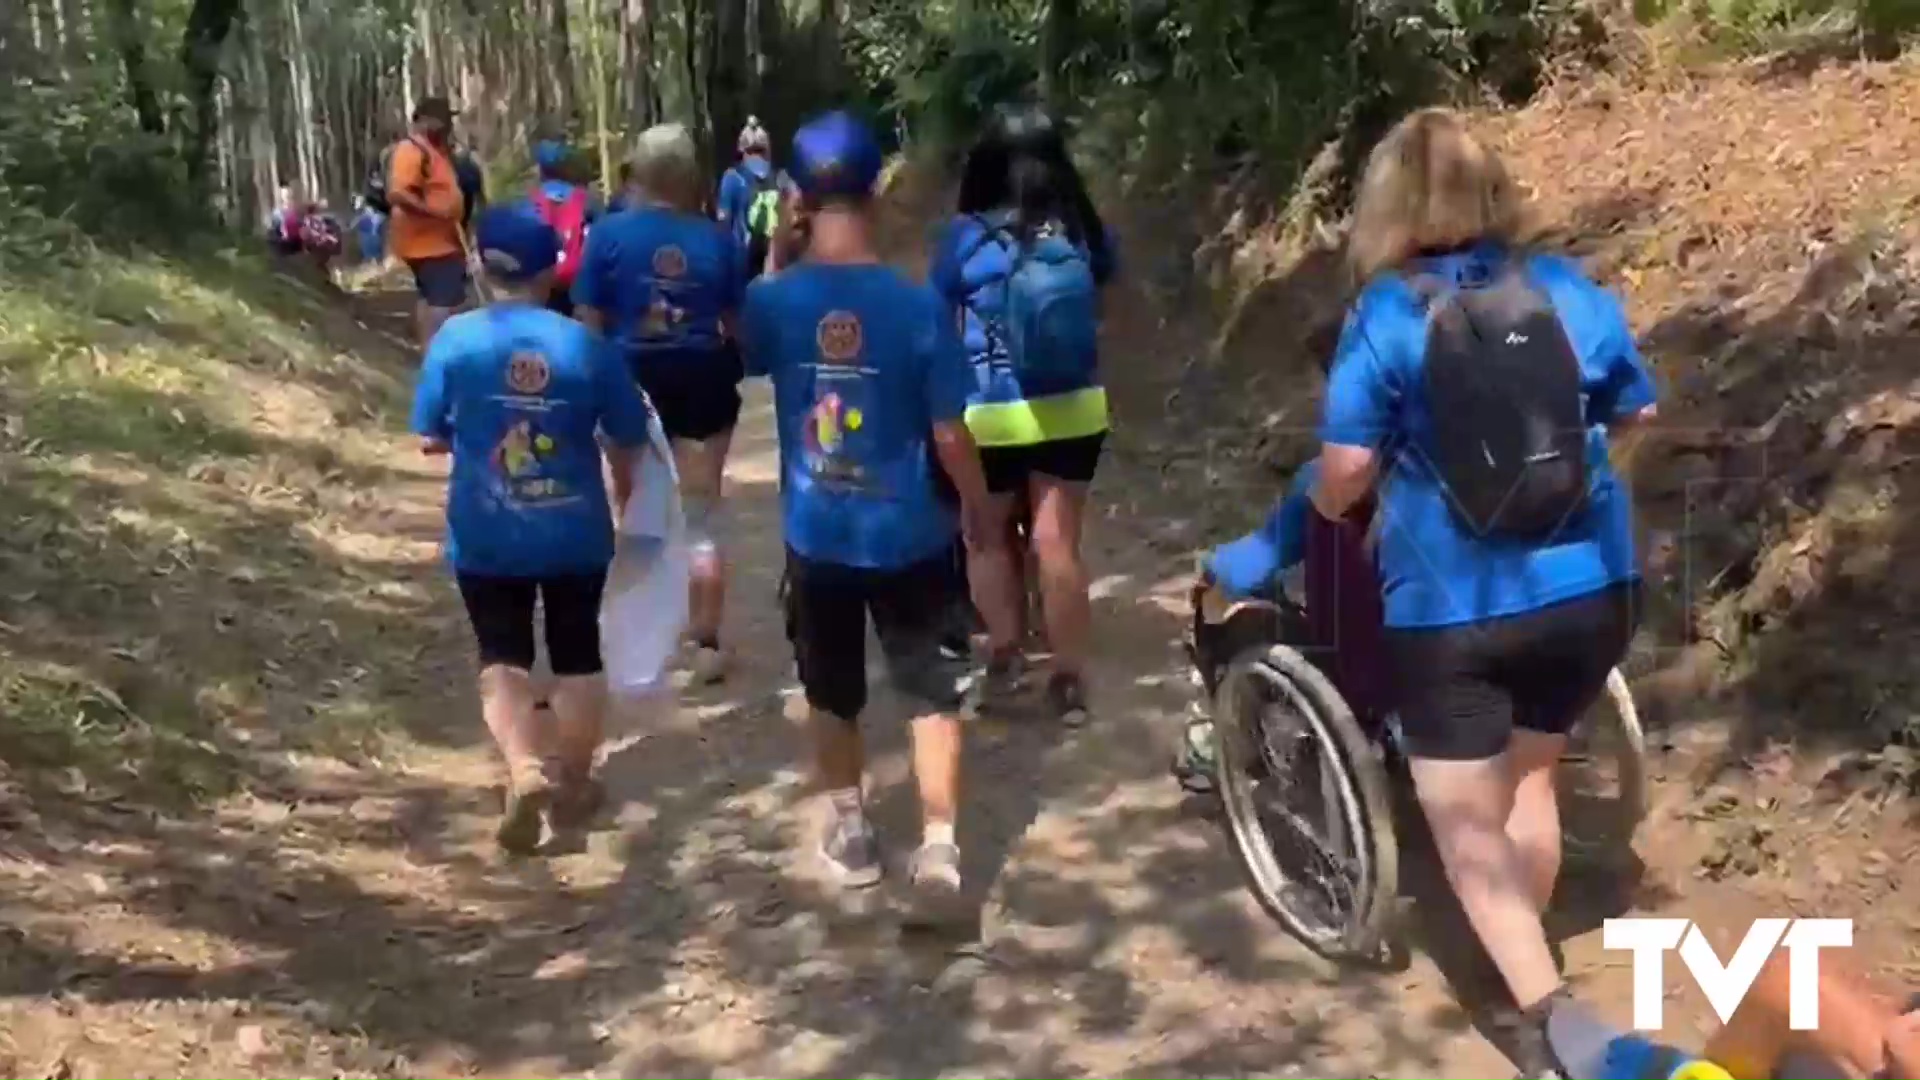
(245,804)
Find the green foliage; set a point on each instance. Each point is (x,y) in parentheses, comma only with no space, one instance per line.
(1189,82)
(71,150)
(1752,25)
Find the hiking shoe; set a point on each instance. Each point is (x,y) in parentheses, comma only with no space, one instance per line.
(578,803)
(1521,1034)
(709,665)
(996,684)
(528,796)
(852,852)
(935,883)
(1067,697)
(1194,765)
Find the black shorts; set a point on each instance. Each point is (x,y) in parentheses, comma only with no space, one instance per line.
(1010,469)
(441,281)
(561,300)
(696,399)
(501,610)
(826,609)
(1461,690)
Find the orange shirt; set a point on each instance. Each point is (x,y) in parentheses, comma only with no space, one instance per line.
(426,172)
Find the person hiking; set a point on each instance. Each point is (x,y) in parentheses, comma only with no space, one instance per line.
(369,230)
(426,226)
(663,281)
(521,397)
(322,237)
(867,372)
(571,208)
(1866,1030)
(1475,384)
(1021,266)
(750,196)
(287,224)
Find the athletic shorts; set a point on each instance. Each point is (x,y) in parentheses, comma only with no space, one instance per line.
(501,610)
(561,300)
(826,609)
(1461,690)
(1010,469)
(696,399)
(441,281)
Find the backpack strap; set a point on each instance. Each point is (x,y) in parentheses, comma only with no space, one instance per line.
(426,164)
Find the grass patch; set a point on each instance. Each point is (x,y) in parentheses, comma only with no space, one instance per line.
(202,567)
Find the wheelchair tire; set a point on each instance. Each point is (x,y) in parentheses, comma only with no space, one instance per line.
(1258,686)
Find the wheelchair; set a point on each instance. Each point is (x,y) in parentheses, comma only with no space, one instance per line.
(1305,757)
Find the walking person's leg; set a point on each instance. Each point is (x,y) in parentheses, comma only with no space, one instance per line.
(993,574)
(702,465)
(1058,490)
(579,695)
(501,611)
(827,624)
(908,620)
(442,286)
(1462,691)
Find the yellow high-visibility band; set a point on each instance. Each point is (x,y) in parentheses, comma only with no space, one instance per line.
(1072,415)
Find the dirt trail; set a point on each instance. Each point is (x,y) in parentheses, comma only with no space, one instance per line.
(353,919)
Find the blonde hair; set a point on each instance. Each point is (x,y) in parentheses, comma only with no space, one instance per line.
(665,166)
(1431,186)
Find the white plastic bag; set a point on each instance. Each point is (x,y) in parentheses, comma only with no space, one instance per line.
(644,610)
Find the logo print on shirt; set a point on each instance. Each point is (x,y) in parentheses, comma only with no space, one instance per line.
(669,262)
(519,455)
(840,338)
(528,373)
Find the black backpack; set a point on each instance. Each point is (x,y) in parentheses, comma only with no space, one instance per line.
(375,192)
(1509,416)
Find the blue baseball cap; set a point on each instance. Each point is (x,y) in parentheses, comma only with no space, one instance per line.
(549,154)
(515,244)
(836,155)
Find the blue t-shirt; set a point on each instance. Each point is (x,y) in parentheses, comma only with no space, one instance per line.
(371,229)
(964,267)
(664,281)
(520,392)
(1433,572)
(863,363)
(736,193)
(1251,564)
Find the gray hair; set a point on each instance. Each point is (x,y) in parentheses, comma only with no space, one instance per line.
(666,166)
(753,138)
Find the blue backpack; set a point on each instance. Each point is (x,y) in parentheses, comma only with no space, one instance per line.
(1049,323)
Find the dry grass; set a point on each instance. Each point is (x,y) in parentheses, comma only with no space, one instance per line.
(194,542)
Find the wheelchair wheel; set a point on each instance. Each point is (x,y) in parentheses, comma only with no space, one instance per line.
(1603,775)
(1305,796)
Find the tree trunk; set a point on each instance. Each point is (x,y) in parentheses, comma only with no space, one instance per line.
(596,41)
(727,75)
(561,65)
(300,68)
(1058,42)
(690,58)
(647,65)
(129,40)
(208,25)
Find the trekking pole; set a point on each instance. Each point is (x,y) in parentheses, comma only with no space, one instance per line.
(475,268)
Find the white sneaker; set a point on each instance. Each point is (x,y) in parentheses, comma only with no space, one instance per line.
(709,665)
